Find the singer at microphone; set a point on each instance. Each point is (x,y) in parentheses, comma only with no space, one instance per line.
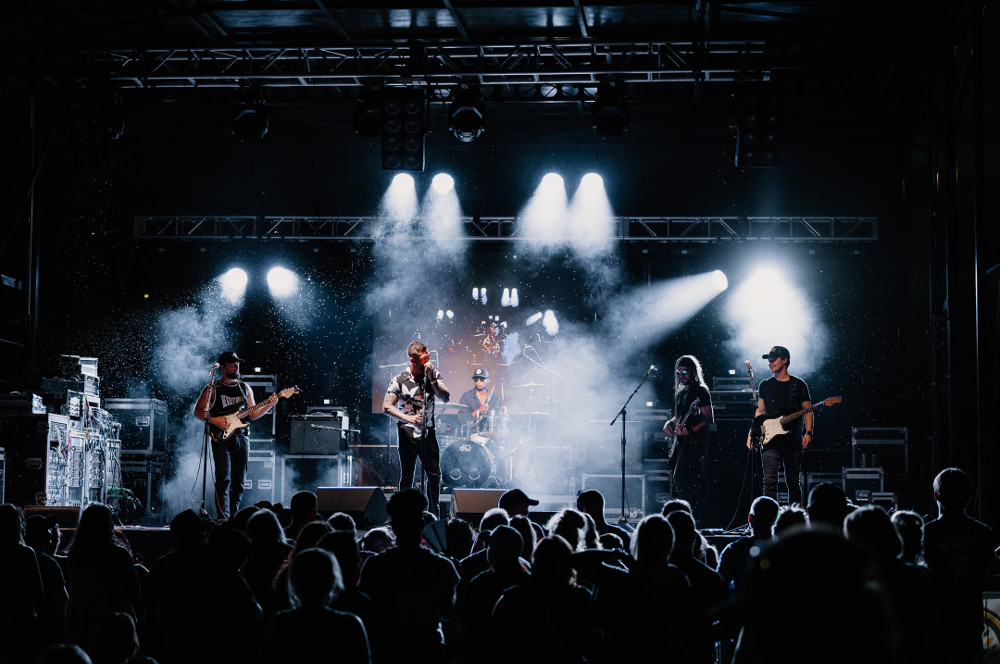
(410,399)
(688,432)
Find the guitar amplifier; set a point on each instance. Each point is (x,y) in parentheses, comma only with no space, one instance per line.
(319,433)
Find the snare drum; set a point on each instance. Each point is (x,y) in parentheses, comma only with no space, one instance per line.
(492,424)
(468,464)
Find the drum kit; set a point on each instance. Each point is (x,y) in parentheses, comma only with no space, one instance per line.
(481,451)
(469,460)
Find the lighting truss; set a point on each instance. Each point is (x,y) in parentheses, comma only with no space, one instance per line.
(635,229)
(557,63)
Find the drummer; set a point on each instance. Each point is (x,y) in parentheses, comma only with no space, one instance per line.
(480,399)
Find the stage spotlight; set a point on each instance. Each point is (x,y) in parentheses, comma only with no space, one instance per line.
(440,314)
(720,280)
(368,113)
(467,115)
(514,301)
(550,323)
(403,181)
(505,298)
(551,181)
(282,282)
(610,114)
(443,182)
(450,314)
(533,318)
(592,181)
(234,285)
(475,294)
(482,295)
(248,122)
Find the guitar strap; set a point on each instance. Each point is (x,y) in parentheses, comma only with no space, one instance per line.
(243,431)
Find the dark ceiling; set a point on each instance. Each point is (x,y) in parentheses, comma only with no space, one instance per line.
(309,43)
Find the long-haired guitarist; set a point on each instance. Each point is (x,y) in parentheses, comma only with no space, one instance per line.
(688,428)
(780,395)
(227,395)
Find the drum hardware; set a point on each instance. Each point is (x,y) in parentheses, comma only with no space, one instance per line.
(492,424)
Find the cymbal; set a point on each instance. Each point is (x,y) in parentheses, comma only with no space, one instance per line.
(451,408)
(531,385)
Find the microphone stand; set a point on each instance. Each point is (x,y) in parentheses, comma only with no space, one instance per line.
(622,412)
(207,437)
(752,460)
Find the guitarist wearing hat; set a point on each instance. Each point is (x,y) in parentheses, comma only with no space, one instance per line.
(688,429)
(779,395)
(230,453)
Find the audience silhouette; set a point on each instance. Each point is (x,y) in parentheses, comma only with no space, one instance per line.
(836,584)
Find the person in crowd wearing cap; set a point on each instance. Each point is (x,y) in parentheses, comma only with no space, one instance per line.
(410,399)
(691,454)
(783,394)
(516,503)
(227,395)
(479,399)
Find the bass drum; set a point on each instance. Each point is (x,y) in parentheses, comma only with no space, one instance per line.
(468,464)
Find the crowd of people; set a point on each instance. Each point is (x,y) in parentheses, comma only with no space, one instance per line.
(830,582)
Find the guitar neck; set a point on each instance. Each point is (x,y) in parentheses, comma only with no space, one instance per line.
(263,405)
(794,416)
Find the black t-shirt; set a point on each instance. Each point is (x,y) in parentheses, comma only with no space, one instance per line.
(230,399)
(783,398)
(682,404)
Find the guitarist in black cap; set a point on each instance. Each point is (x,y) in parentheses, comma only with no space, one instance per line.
(688,429)
(226,395)
(783,394)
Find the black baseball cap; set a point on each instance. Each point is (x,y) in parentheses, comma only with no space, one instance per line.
(229,357)
(515,497)
(481,373)
(776,352)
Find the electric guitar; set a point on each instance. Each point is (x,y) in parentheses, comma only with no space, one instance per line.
(695,408)
(235,417)
(767,427)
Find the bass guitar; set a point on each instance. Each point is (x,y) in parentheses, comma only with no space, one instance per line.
(766,427)
(695,408)
(236,418)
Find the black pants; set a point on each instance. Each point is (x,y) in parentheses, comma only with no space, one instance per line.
(426,448)
(230,471)
(689,472)
(790,454)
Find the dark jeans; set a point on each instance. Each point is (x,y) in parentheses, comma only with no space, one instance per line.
(790,453)
(230,471)
(426,448)
(689,472)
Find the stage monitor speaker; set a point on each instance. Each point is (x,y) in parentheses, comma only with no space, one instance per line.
(365,504)
(471,504)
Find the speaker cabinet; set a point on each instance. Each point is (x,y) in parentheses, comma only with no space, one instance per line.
(144,423)
(24,438)
(471,504)
(365,504)
(259,483)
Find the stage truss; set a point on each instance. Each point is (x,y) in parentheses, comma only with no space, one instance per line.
(625,228)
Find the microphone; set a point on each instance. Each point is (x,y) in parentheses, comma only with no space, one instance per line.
(749,368)
(652,367)
(215,366)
